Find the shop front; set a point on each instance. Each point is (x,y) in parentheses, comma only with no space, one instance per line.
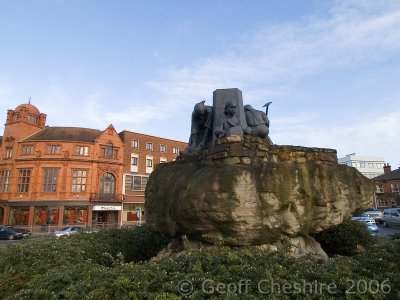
(43,216)
(75,215)
(19,215)
(106,216)
(133,214)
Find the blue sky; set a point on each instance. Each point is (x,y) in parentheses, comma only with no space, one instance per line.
(331,68)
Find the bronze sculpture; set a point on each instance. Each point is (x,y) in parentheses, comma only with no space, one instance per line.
(201,130)
(258,121)
(231,124)
(228,117)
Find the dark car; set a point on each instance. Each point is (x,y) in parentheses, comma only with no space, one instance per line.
(23,231)
(9,234)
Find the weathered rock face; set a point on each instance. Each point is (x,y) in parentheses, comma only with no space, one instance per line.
(254,192)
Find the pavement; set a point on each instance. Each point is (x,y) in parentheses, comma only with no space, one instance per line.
(388,231)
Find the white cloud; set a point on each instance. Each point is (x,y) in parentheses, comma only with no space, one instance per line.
(372,137)
(271,58)
(68,108)
(266,62)
(136,115)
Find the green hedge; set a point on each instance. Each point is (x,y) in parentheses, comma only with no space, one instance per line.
(88,266)
(136,244)
(345,238)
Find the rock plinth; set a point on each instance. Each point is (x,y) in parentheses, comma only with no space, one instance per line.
(256,193)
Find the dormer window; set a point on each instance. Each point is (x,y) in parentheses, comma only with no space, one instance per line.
(33,119)
(53,149)
(16,117)
(27,150)
(81,150)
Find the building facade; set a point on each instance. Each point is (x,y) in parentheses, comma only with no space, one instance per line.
(387,193)
(369,166)
(54,176)
(142,154)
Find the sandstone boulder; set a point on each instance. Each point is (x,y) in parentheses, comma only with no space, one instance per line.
(255,193)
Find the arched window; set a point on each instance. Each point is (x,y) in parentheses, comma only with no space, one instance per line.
(107,187)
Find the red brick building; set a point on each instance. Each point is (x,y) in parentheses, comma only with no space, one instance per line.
(58,175)
(142,153)
(54,176)
(387,191)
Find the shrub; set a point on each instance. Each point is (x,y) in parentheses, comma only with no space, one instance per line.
(344,239)
(82,267)
(136,244)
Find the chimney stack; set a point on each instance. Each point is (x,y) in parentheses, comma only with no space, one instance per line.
(387,168)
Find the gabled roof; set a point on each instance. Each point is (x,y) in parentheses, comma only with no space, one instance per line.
(388,176)
(109,127)
(70,134)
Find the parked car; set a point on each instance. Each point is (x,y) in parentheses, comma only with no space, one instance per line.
(66,231)
(391,216)
(9,234)
(375,214)
(369,223)
(365,220)
(23,231)
(372,229)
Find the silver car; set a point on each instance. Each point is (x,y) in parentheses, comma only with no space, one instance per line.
(66,231)
(372,229)
(375,214)
(369,223)
(391,216)
(365,220)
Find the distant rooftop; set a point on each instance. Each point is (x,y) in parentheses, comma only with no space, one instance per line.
(358,156)
(71,134)
(388,176)
(124,132)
